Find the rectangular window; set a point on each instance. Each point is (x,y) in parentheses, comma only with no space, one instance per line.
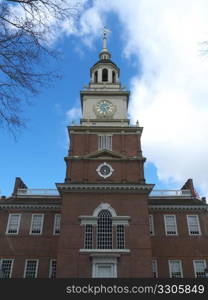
(193,225)
(151,225)
(13,224)
(31,268)
(57,224)
(105,142)
(170,225)
(52,269)
(36,224)
(199,268)
(154,268)
(175,269)
(6,266)
(88,237)
(120,237)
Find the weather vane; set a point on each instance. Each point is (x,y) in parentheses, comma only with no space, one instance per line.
(105,31)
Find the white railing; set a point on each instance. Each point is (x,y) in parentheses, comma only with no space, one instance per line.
(167,193)
(39,192)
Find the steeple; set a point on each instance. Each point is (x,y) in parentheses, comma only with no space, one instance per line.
(104,53)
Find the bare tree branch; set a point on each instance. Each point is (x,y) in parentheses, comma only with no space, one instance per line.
(23,51)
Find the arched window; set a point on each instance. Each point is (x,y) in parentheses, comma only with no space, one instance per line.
(96,76)
(104,230)
(105,75)
(113,77)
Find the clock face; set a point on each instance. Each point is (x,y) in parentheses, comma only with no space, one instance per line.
(105,108)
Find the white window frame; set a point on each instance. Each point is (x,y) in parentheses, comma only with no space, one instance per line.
(198,225)
(151,225)
(86,236)
(31,225)
(11,269)
(176,229)
(154,266)
(120,236)
(50,267)
(8,224)
(55,225)
(180,264)
(194,265)
(36,269)
(107,142)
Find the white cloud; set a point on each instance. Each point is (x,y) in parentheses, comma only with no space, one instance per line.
(169,95)
(73,115)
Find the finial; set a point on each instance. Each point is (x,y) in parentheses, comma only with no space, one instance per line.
(105,54)
(105,32)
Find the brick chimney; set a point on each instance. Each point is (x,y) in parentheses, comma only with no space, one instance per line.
(19,184)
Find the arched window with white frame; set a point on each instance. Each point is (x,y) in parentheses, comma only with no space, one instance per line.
(104,230)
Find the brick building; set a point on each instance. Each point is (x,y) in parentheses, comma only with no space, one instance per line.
(104,220)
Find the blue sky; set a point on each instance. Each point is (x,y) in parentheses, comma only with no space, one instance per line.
(152,56)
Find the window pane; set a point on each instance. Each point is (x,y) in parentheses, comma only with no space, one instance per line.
(104,231)
(105,142)
(151,225)
(170,225)
(36,227)
(13,223)
(154,268)
(57,224)
(199,267)
(31,269)
(5,268)
(52,273)
(88,237)
(175,269)
(120,238)
(193,225)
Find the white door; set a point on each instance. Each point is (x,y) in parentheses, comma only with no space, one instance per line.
(104,270)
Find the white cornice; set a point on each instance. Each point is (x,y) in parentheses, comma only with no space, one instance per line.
(30,206)
(104,251)
(178,207)
(106,187)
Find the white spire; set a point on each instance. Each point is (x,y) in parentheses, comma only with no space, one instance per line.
(104,52)
(105,32)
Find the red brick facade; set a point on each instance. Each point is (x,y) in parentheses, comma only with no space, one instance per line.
(105,227)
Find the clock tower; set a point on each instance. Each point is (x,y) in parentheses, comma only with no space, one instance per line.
(105,222)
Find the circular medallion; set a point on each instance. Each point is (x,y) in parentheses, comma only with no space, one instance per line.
(105,170)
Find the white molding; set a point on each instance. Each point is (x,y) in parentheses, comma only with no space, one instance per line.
(41,227)
(8,223)
(118,220)
(30,206)
(178,207)
(104,206)
(104,251)
(129,188)
(111,170)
